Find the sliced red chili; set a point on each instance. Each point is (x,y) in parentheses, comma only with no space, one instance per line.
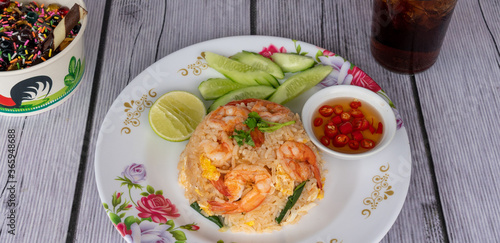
(336,120)
(318,121)
(338,109)
(355,104)
(357,135)
(340,140)
(371,128)
(365,125)
(367,143)
(353,144)
(345,128)
(360,124)
(331,130)
(325,140)
(356,123)
(380,128)
(356,113)
(345,116)
(326,110)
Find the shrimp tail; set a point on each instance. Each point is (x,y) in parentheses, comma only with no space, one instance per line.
(257,137)
(248,203)
(299,160)
(317,175)
(223,207)
(221,187)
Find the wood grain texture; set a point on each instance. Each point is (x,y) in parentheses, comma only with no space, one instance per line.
(49,146)
(491,18)
(349,36)
(460,103)
(166,28)
(126,54)
(190,22)
(298,20)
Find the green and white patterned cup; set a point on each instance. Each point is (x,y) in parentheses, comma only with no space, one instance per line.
(48,84)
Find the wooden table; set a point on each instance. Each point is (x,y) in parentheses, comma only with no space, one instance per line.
(451,112)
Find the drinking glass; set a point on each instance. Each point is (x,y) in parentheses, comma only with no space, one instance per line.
(407,34)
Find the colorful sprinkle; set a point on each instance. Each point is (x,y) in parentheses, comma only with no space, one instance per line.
(27,45)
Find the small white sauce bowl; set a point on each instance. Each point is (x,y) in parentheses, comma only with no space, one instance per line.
(350,91)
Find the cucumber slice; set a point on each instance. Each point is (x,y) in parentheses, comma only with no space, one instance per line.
(291,63)
(214,88)
(299,83)
(257,61)
(257,92)
(237,71)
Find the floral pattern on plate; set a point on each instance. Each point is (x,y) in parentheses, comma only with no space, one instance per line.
(152,223)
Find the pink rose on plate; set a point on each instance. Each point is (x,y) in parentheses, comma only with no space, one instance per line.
(360,78)
(270,50)
(122,228)
(157,207)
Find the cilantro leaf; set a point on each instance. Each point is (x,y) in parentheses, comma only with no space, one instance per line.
(276,126)
(250,141)
(241,136)
(251,121)
(255,121)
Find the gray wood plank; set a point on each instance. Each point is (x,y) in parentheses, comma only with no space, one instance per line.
(165,28)
(489,14)
(460,103)
(49,147)
(346,31)
(190,22)
(298,20)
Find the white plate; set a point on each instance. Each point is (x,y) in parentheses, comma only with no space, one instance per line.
(362,198)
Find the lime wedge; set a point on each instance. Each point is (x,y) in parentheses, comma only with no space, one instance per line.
(175,115)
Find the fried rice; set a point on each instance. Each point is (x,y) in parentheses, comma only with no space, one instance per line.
(193,174)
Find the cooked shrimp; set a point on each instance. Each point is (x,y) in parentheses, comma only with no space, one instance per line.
(219,185)
(270,111)
(258,137)
(235,182)
(227,117)
(299,161)
(223,121)
(219,152)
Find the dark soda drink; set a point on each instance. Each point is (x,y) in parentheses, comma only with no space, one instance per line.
(407,34)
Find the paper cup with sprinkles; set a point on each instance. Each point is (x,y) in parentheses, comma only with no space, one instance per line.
(41,54)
